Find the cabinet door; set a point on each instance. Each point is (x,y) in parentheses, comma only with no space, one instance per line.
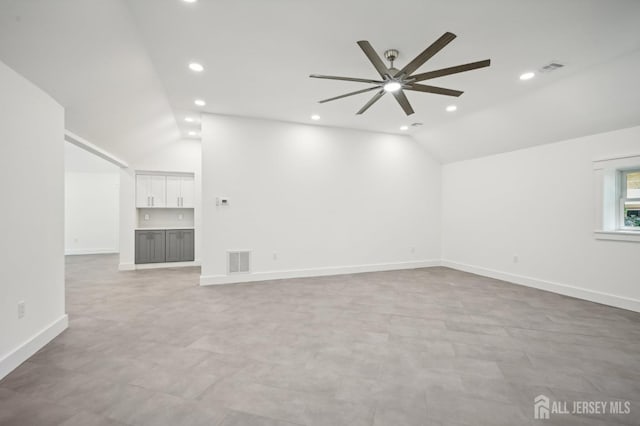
(173,191)
(187,191)
(173,246)
(149,247)
(143,189)
(188,254)
(158,191)
(179,245)
(158,247)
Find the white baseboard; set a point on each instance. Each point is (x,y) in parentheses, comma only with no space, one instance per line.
(565,289)
(314,272)
(23,352)
(77,252)
(126,267)
(134,267)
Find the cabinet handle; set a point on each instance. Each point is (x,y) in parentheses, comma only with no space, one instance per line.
(178,201)
(182,201)
(148,201)
(152,201)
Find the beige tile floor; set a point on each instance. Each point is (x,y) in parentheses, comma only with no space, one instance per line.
(417,347)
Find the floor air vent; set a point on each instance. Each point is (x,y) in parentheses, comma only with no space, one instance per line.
(239,262)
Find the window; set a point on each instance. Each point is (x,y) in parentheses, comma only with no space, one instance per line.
(630,200)
(617,198)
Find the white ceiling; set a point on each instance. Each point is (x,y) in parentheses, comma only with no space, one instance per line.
(120,67)
(88,55)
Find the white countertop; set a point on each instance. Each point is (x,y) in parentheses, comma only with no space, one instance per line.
(163,228)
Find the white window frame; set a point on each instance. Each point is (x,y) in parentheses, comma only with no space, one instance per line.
(610,196)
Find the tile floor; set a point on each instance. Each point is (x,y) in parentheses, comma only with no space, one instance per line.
(417,347)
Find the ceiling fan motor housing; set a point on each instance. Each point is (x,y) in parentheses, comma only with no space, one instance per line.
(391,55)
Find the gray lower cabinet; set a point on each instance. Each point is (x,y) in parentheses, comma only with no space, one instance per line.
(179,245)
(158,246)
(150,246)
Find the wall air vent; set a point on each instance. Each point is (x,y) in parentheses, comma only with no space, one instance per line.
(551,66)
(238,262)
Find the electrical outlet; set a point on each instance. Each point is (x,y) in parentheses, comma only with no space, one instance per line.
(413,249)
(275,256)
(515,258)
(180,216)
(21,309)
(146,217)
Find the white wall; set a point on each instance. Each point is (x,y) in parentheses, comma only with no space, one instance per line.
(32,243)
(92,212)
(538,204)
(179,156)
(324,200)
(92,203)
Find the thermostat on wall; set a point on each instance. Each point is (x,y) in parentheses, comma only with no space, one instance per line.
(222,201)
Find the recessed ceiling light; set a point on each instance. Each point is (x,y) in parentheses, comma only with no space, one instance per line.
(193,133)
(194,66)
(527,76)
(451,108)
(199,102)
(392,86)
(190,120)
(189,1)
(315,117)
(404,127)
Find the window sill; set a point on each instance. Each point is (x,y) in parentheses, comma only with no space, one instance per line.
(623,235)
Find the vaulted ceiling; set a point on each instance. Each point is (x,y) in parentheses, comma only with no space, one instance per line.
(120,67)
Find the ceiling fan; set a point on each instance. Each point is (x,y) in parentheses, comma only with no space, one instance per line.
(396,81)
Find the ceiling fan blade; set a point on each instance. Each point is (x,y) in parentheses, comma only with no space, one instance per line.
(371,102)
(333,77)
(433,89)
(403,101)
(357,92)
(451,70)
(427,53)
(374,58)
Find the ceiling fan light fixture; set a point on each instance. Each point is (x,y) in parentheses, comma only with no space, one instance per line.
(392,86)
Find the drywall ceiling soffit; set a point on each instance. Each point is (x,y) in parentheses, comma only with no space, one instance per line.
(78,160)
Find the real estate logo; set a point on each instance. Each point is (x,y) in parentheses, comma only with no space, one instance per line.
(541,407)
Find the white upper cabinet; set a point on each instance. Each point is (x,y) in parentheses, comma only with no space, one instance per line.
(165,190)
(180,191)
(188,193)
(151,191)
